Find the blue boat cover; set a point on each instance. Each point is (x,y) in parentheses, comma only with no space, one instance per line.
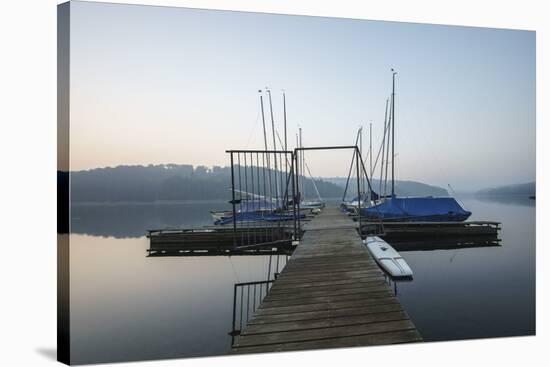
(428,209)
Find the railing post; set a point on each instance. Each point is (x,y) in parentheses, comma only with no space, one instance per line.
(298,198)
(233,202)
(234,312)
(292,172)
(358,187)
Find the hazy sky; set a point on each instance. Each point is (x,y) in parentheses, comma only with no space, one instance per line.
(173,85)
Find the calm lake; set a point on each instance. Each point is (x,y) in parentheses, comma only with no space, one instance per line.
(127,306)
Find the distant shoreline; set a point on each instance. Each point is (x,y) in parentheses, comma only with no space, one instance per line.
(155,202)
(168,202)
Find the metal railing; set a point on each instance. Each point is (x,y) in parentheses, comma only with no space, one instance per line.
(266,194)
(246,299)
(263,197)
(248,296)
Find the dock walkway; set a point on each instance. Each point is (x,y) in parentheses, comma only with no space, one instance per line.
(330,294)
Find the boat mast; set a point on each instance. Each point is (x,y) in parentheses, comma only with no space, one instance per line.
(263,118)
(274,142)
(384,146)
(298,182)
(388,151)
(266,149)
(370,159)
(361,181)
(302,165)
(393,135)
(370,148)
(285,155)
(284,113)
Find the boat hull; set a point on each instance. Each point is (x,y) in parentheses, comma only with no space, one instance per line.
(387,258)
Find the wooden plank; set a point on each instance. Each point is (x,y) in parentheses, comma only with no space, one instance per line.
(324,333)
(311,294)
(359,274)
(351,286)
(325,263)
(328,266)
(283,285)
(397,337)
(326,299)
(277,310)
(311,272)
(315,315)
(324,323)
(331,293)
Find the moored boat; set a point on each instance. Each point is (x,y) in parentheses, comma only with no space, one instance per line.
(410,209)
(417,209)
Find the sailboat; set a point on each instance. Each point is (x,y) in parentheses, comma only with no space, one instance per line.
(249,203)
(251,207)
(411,209)
(254,207)
(366,198)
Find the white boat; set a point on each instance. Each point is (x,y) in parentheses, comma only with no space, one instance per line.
(388,258)
(220,214)
(312,205)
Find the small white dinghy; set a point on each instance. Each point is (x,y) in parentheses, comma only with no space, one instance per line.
(388,258)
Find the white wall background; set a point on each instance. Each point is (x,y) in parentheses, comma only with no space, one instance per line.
(28,184)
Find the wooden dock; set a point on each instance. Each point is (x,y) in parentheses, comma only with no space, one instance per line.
(330,294)
(213,241)
(431,230)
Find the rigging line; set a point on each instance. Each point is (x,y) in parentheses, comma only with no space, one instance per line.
(235,275)
(349,175)
(388,150)
(383,147)
(253,128)
(351,165)
(378,155)
(370,189)
(454,194)
(287,164)
(280,142)
(287,175)
(313,181)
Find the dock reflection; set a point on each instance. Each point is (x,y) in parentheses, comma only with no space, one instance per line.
(285,251)
(247,296)
(454,243)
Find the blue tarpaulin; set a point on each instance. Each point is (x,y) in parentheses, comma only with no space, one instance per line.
(417,209)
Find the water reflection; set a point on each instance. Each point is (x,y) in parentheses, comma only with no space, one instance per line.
(392,282)
(126,306)
(248,296)
(132,220)
(455,243)
(481,289)
(508,200)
